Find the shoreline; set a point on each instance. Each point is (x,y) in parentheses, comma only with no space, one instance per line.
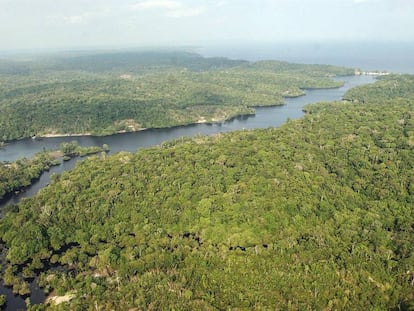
(57,135)
(199,121)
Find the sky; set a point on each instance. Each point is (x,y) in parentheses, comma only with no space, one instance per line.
(65,24)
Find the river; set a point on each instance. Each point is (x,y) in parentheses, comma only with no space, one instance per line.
(265,117)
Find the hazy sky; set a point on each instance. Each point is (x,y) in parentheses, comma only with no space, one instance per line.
(34,24)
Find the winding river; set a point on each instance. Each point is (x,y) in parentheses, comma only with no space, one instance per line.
(264,117)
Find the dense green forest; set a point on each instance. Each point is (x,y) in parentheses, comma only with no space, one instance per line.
(386,88)
(73,149)
(314,215)
(108,93)
(21,173)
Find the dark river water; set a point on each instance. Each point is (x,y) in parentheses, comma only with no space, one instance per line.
(264,118)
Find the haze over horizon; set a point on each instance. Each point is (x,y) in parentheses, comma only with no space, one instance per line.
(65,24)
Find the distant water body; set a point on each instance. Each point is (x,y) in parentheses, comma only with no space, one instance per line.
(392,57)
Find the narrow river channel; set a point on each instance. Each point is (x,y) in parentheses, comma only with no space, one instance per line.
(264,118)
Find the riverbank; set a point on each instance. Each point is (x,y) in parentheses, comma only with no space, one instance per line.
(57,135)
(105,211)
(264,117)
(260,117)
(22,173)
(227,113)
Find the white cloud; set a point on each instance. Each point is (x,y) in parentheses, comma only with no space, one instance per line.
(363,1)
(78,19)
(169,8)
(156,4)
(185,12)
(221,3)
(82,18)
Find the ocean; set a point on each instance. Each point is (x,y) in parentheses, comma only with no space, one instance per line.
(393,57)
